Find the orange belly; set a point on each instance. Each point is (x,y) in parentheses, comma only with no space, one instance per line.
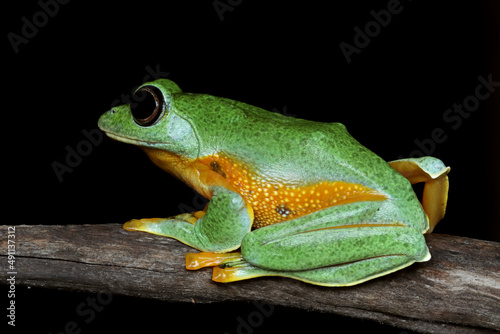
(275,202)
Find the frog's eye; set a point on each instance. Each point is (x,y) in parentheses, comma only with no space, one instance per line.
(149,106)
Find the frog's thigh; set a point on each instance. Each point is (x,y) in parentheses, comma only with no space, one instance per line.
(434,173)
(220,229)
(333,246)
(329,254)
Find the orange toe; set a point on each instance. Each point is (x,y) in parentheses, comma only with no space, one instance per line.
(195,261)
(224,275)
(141,224)
(133,225)
(233,274)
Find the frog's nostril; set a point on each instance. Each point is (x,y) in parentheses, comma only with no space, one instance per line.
(112,111)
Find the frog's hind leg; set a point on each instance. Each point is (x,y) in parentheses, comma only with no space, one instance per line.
(328,249)
(435,175)
(341,256)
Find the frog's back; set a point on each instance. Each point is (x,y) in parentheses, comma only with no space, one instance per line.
(290,149)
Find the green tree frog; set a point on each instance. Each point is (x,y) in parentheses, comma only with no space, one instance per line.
(288,197)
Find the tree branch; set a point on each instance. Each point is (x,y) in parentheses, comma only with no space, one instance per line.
(457,291)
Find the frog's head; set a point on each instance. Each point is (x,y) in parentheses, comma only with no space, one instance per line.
(150,120)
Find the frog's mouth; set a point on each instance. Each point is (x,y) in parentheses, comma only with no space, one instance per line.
(131,140)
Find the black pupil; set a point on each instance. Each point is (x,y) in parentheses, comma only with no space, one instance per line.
(144,106)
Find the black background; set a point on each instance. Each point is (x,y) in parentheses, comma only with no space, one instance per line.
(282,56)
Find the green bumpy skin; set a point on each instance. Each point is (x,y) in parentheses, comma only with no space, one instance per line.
(301,199)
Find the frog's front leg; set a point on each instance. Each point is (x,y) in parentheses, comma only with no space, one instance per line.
(220,229)
(340,246)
